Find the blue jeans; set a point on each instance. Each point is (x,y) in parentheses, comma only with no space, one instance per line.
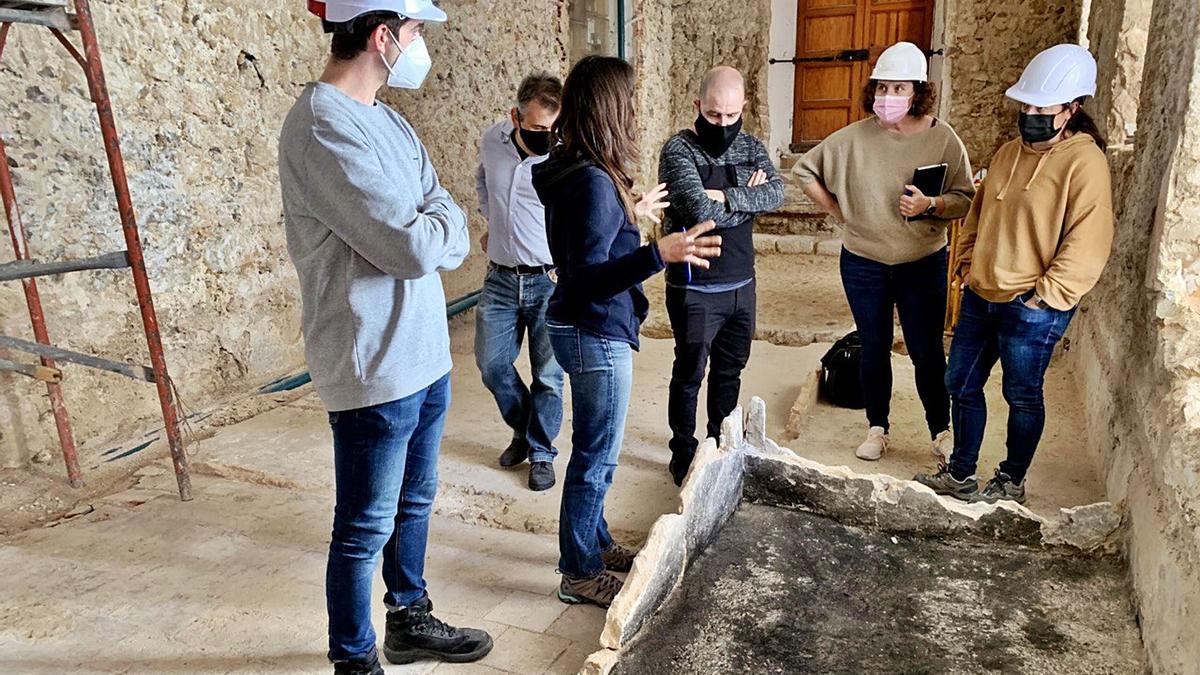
(385,466)
(511,306)
(917,292)
(601,373)
(1023,340)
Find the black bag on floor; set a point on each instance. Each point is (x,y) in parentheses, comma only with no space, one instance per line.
(840,382)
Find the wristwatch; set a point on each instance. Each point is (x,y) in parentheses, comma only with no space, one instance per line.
(932,207)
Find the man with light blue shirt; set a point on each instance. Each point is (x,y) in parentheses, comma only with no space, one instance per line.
(369,227)
(519,280)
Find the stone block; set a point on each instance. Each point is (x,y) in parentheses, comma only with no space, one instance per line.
(766,244)
(656,570)
(829,247)
(600,663)
(797,244)
(1090,528)
(756,424)
(806,400)
(710,495)
(801,485)
(732,429)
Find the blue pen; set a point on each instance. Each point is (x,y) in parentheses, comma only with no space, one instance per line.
(689,265)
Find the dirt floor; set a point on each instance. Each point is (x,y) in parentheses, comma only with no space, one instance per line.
(791,592)
(1064,472)
(800,301)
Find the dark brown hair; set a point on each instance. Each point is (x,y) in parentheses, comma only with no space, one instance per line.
(350,39)
(597,120)
(1082,123)
(923,101)
(542,88)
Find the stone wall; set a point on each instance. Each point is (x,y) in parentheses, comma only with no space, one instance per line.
(1117,31)
(653,60)
(1137,338)
(987,46)
(199,89)
(707,33)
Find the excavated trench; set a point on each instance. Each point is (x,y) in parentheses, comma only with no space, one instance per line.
(787,591)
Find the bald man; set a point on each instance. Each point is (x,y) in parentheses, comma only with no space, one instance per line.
(713,171)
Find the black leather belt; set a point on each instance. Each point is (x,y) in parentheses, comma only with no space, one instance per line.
(525,270)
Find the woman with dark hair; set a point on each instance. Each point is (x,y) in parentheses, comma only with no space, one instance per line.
(1037,238)
(597,308)
(894,244)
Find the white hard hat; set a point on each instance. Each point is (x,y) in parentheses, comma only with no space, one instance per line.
(902,61)
(1060,74)
(340,11)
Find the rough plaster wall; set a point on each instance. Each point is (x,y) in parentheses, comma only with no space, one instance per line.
(707,33)
(987,46)
(653,59)
(1117,31)
(479,58)
(198,122)
(1138,346)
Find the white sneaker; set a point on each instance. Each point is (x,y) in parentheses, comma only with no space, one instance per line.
(875,445)
(943,446)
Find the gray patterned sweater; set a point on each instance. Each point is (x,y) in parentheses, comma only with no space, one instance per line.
(688,171)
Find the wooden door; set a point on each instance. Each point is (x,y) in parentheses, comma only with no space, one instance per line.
(837,43)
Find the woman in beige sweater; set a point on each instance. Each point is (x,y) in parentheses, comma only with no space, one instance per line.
(1037,237)
(894,244)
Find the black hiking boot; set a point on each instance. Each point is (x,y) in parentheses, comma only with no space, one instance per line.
(516,453)
(365,666)
(413,633)
(541,476)
(680,463)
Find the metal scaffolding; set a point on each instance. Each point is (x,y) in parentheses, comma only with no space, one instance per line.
(57,17)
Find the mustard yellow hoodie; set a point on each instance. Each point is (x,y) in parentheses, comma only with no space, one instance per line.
(1042,220)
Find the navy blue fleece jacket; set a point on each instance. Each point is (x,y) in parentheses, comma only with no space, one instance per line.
(599,253)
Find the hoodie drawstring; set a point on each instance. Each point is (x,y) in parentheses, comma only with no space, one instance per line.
(1037,169)
(1012,171)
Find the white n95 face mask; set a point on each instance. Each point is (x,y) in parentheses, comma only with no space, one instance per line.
(411,67)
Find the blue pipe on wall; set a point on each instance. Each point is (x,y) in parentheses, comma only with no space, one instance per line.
(453,308)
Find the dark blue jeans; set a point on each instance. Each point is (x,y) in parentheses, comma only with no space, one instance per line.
(511,306)
(917,291)
(385,467)
(1023,340)
(713,331)
(601,373)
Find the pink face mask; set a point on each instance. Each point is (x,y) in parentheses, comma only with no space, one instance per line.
(892,109)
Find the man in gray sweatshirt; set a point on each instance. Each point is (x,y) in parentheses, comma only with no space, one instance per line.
(369,227)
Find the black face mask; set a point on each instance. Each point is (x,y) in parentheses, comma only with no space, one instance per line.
(1037,128)
(538,142)
(714,139)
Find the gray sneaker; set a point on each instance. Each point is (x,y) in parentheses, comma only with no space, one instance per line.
(1001,487)
(618,558)
(944,483)
(598,590)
